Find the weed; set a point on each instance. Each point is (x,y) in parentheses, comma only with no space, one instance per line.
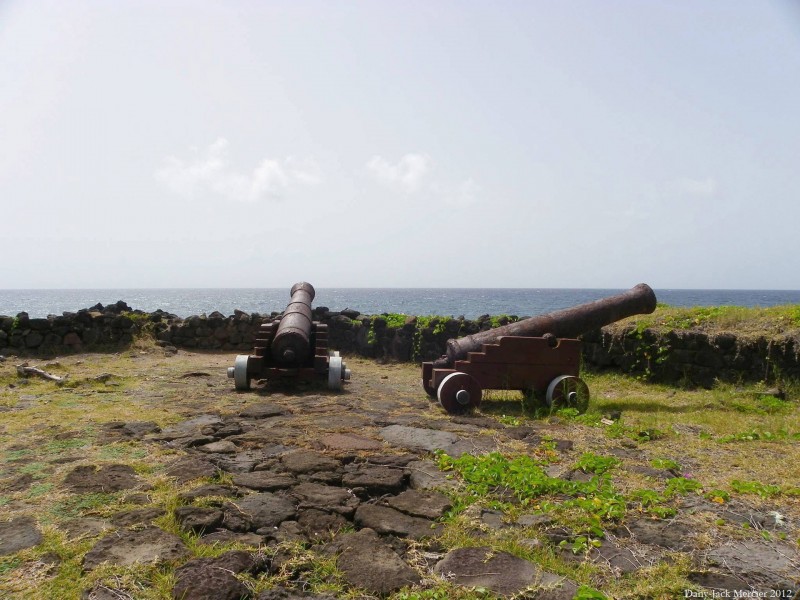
(395,320)
(665,463)
(763,436)
(589,593)
(764,490)
(718,496)
(592,463)
(681,486)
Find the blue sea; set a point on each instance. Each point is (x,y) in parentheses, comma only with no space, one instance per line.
(412,301)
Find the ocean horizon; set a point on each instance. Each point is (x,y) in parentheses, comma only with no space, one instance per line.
(454,302)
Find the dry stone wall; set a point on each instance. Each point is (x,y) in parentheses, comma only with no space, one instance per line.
(686,356)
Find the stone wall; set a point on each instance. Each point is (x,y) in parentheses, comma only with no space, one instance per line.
(694,356)
(675,356)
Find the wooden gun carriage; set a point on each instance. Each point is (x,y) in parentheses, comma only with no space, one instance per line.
(292,347)
(539,354)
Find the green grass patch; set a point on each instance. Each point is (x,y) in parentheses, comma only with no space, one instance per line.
(85,504)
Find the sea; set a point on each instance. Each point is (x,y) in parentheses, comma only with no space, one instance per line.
(454,302)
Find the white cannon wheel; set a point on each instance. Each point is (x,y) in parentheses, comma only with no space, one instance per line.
(568,391)
(240,378)
(335,373)
(459,392)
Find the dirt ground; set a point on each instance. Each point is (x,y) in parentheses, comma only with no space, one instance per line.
(139,470)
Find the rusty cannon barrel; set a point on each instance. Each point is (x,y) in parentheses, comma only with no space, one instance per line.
(566,323)
(292,341)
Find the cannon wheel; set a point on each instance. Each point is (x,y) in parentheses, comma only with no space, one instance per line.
(335,366)
(568,391)
(459,392)
(240,378)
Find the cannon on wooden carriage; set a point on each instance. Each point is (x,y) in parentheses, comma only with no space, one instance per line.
(539,354)
(292,346)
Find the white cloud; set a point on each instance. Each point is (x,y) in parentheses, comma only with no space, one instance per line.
(704,188)
(414,174)
(213,172)
(407,174)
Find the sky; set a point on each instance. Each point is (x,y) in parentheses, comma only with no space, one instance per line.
(579,144)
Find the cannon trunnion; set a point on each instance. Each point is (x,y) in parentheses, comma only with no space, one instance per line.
(291,347)
(527,355)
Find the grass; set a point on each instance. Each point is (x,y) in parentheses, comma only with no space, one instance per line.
(745,321)
(724,445)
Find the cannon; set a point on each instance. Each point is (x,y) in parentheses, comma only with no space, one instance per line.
(292,346)
(535,354)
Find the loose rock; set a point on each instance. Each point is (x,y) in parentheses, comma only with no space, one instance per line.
(148,545)
(18,534)
(370,563)
(105,478)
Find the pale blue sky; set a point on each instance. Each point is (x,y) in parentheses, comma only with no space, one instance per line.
(400,144)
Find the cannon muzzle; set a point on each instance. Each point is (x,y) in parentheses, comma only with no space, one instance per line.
(566,323)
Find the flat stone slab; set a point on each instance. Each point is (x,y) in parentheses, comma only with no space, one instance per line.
(326,497)
(213,578)
(418,438)
(19,484)
(672,535)
(763,565)
(367,562)
(500,572)
(263,410)
(316,523)
(191,467)
(18,534)
(220,447)
(125,548)
(264,481)
(266,509)
(198,518)
(386,520)
(187,428)
(619,559)
(428,505)
(104,478)
(425,475)
(306,461)
(349,441)
(131,429)
(206,491)
(86,527)
(137,517)
(375,481)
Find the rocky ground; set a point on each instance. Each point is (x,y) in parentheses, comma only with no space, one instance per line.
(145,475)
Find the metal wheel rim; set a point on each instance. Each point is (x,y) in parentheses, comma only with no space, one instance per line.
(568,391)
(240,378)
(335,373)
